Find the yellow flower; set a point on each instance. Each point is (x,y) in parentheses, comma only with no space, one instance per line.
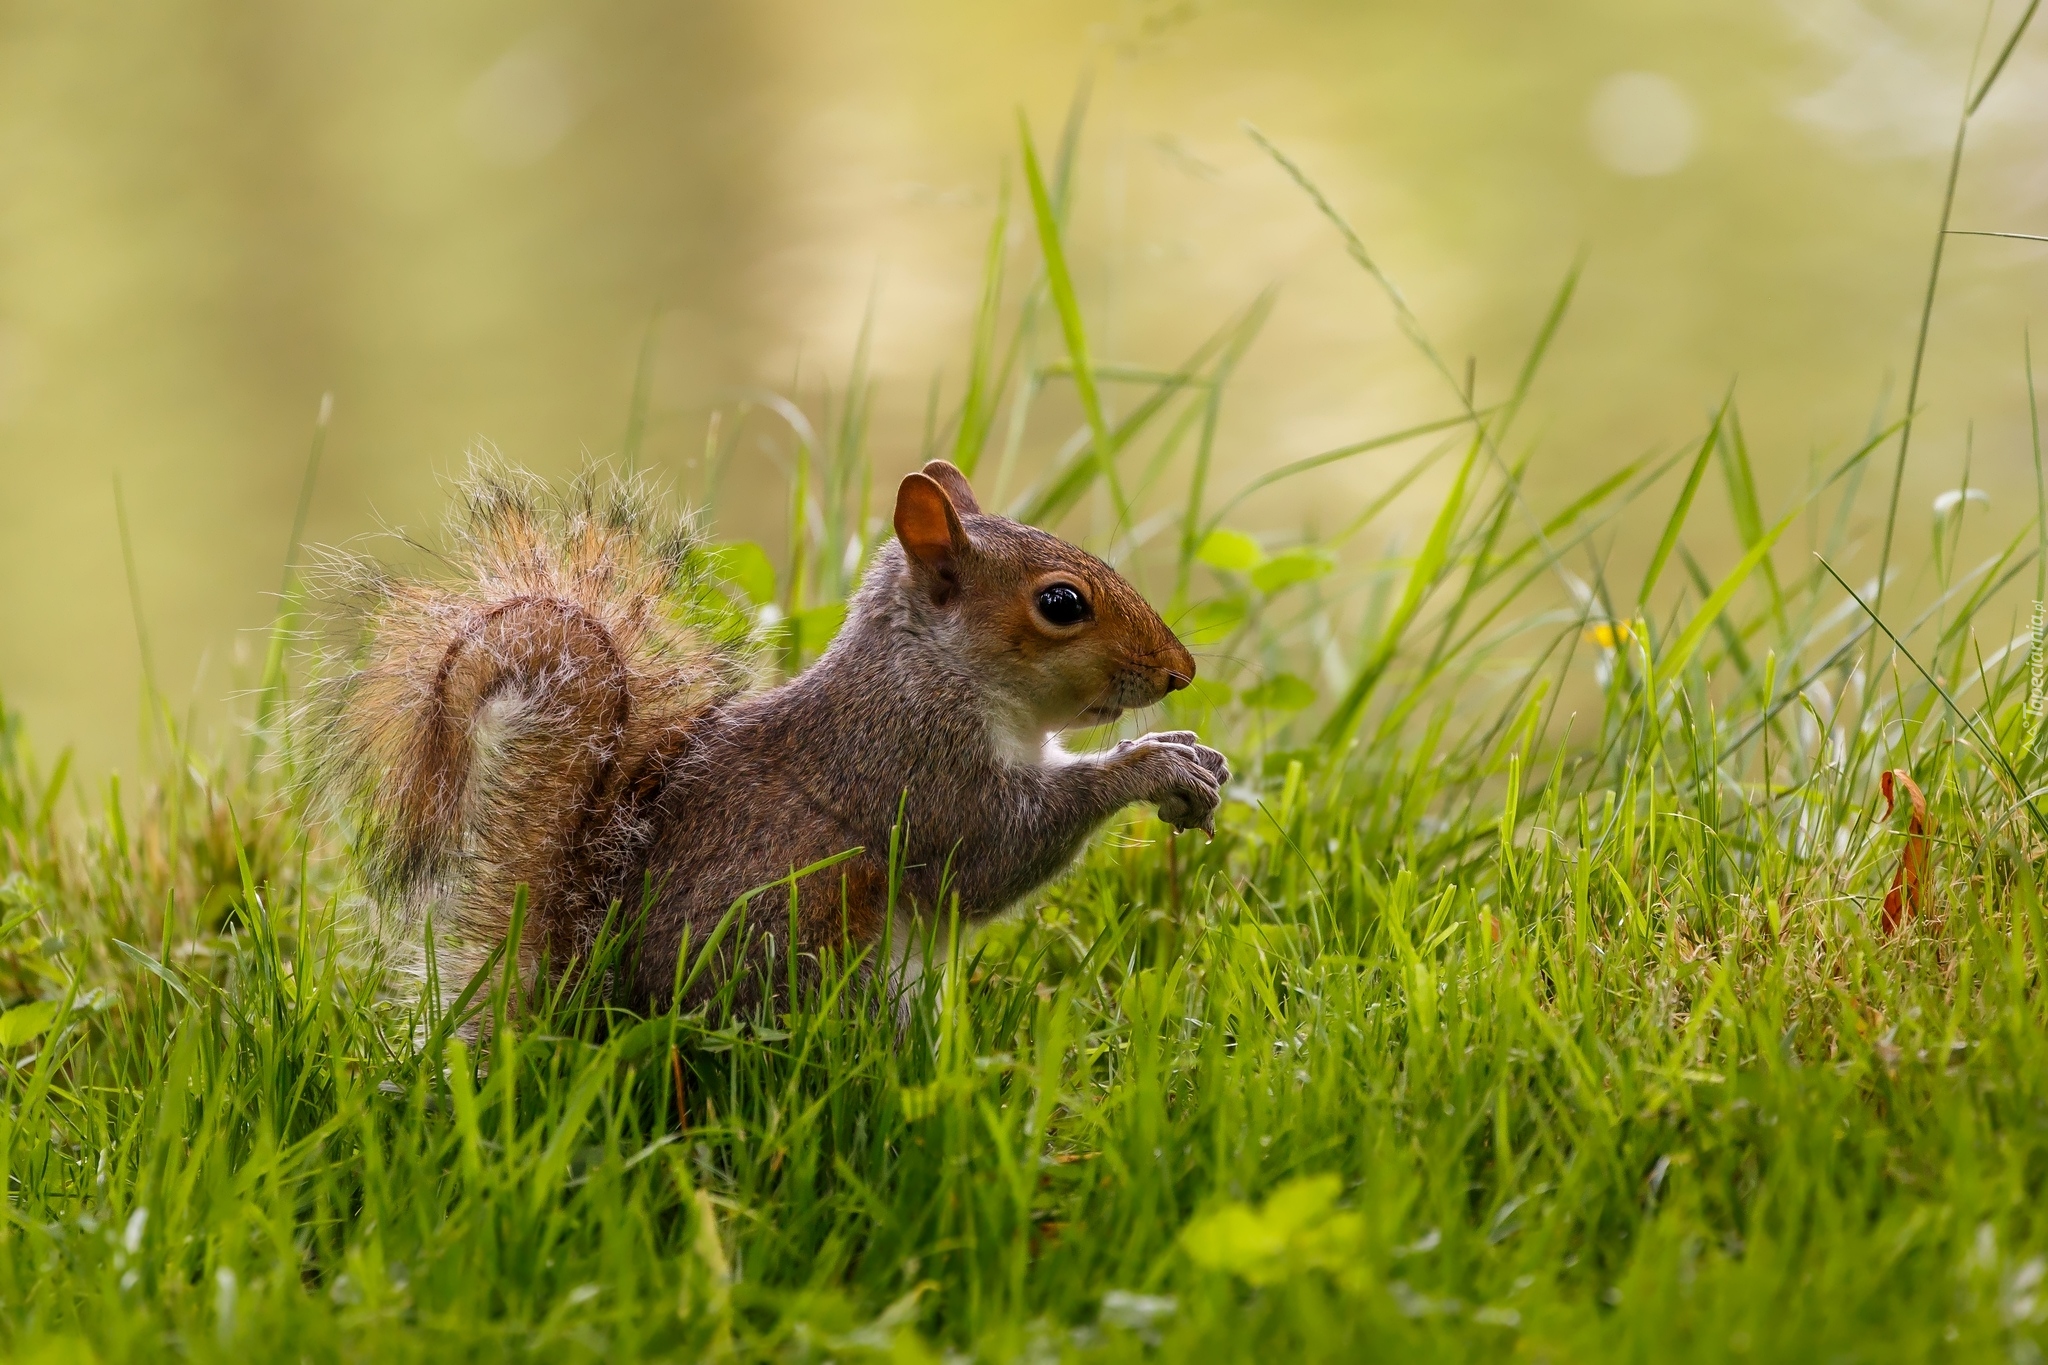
(1610,634)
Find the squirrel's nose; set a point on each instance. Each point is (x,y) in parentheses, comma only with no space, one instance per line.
(1180,667)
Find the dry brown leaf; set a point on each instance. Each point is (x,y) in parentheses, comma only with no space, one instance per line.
(1907,898)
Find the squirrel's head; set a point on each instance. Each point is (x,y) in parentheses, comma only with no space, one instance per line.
(1061,634)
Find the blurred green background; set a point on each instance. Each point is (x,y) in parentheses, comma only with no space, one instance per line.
(462,218)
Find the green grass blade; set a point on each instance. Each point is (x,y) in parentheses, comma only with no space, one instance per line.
(1205,448)
(2024,798)
(2012,41)
(1676,523)
(635,437)
(978,407)
(1741,476)
(1546,334)
(1327,457)
(1072,480)
(1059,283)
(1671,661)
(1350,709)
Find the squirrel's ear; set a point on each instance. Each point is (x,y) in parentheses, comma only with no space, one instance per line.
(928,525)
(955,483)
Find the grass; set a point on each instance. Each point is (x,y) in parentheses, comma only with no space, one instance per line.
(1538,997)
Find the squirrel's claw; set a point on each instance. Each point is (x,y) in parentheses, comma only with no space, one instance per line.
(1181,816)
(1185,777)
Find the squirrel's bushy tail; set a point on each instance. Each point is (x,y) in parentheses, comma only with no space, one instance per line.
(508,723)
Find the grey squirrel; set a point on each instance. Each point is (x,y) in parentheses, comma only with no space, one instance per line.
(547,720)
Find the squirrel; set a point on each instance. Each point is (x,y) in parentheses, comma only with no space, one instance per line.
(550,724)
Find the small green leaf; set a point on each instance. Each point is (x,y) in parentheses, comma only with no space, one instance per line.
(1233,551)
(745,566)
(922,1101)
(1236,1239)
(15,890)
(1205,692)
(1295,566)
(816,626)
(1281,692)
(24,1022)
(156,969)
(1216,618)
(1296,1229)
(643,1038)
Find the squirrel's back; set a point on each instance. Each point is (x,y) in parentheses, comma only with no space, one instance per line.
(508,723)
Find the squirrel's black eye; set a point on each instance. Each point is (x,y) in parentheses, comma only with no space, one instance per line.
(1061,604)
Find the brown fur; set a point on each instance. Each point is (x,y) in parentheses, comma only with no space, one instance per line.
(544,722)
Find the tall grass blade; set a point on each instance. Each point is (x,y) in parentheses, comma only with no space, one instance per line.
(637,406)
(1671,661)
(1429,563)
(978,407)
(1676,523)
(1059,283)
(2012,42)
(152,696)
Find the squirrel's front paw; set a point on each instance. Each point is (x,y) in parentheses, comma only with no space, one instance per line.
(1184,776)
